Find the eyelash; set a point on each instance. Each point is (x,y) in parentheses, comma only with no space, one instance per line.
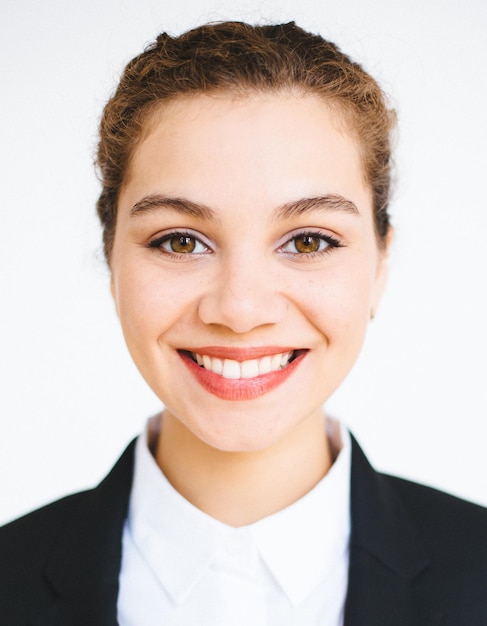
(331,243)
(158,242)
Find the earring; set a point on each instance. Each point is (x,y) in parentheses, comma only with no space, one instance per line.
(372,314)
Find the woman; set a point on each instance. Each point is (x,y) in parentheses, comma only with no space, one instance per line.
(246,179)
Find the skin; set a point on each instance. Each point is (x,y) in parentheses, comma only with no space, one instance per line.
(247,284)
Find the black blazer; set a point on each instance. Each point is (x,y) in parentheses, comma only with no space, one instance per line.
(418,557)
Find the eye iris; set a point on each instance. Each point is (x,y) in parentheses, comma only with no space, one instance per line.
(307,243)
(182,244)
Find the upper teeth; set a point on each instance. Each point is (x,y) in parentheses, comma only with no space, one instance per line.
(228,368)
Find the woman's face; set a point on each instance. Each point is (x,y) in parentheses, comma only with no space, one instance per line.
(245,265)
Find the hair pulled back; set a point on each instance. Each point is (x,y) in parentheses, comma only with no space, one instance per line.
(241,58)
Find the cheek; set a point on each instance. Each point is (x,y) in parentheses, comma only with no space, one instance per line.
(336,301)
(147,303)
(133,297)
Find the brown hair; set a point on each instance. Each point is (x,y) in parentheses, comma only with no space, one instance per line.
(240,58)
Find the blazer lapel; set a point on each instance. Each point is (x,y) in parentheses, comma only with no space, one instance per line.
(387,557)
(85,565)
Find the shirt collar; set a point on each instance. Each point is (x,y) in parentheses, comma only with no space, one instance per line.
(299,544)
(176,539)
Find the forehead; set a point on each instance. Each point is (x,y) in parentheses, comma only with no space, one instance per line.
(280,145)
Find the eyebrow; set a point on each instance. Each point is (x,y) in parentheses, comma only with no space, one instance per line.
(328,202)
(180,205)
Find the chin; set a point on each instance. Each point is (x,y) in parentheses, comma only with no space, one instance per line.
(249,436)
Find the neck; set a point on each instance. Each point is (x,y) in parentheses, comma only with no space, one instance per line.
(239,488)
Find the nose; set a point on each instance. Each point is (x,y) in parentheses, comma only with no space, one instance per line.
(242,296)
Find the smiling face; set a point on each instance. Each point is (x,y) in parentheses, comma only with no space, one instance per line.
(245,264)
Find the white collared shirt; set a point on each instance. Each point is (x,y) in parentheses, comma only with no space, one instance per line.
(181,567)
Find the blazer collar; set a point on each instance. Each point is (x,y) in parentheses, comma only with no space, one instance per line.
(387,555)
(85,564)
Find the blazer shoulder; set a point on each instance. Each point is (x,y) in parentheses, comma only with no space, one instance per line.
(25,548)
(39,527)
(446,523)
(417,554)
(434,509)
(454,532)
(70,546)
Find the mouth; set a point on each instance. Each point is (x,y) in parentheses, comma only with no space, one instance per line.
(231,375)
(232,369)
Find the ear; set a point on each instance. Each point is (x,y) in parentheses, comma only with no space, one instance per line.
(382,272)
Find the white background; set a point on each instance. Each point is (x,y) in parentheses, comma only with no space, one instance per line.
(70,397)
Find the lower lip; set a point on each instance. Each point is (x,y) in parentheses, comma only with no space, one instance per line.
(241,388)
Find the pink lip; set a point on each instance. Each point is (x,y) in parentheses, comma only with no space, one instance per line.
(243,388)
(240,354)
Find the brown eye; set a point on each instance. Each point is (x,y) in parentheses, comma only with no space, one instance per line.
(179,243)
(182,244)
(308,243)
